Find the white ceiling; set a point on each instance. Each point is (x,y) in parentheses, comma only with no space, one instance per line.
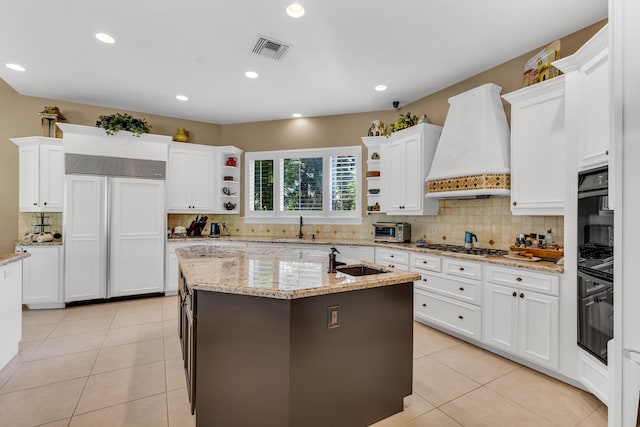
(340,50)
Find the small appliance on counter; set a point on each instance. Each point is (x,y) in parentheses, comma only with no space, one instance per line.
(469,237)
(395,232)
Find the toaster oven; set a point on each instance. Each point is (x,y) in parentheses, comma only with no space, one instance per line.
(398,232)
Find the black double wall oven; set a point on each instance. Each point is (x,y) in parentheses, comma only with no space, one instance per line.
(595,263)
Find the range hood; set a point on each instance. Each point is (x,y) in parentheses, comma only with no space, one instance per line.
(472,157)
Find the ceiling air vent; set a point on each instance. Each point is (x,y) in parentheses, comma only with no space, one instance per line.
(270,48)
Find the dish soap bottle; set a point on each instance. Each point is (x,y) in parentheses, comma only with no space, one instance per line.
(548,238)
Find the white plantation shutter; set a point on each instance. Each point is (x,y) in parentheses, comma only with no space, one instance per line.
(343,183)
(301,188)
(261,185)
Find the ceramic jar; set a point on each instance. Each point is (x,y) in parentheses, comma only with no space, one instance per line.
(181,136)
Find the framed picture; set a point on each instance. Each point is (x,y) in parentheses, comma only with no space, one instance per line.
(539,68)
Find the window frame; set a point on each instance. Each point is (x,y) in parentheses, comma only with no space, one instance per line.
(324,216)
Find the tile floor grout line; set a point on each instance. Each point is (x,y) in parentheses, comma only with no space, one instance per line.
(115,404)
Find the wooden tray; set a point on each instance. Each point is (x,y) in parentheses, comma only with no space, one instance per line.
(540,253)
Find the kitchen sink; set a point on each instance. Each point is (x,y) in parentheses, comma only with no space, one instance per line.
(359,270)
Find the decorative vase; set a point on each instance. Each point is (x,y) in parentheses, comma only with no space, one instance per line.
(181,136)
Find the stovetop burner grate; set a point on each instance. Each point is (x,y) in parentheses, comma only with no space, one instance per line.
(462,249)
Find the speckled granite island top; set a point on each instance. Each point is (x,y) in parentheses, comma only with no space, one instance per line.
(9,258)
(275,273)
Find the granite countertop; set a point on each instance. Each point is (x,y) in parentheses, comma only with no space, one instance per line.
(9,258)
(52,243)
(274,273)
(545,266)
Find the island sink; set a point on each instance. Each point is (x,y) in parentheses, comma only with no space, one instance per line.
(359,270)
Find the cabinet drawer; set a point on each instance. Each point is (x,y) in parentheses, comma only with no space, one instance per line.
(457,316)
(523,279)
(460,268)
(460,289)
(392,258)
(420,262)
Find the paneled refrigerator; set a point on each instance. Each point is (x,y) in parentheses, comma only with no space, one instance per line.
(114,226)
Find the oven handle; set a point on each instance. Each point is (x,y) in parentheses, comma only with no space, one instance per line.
(626,353)
(593,193)
(599,279)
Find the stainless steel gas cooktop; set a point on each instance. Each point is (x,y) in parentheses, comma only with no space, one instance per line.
(462,249)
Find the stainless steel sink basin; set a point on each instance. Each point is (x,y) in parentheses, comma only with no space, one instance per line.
(359,270)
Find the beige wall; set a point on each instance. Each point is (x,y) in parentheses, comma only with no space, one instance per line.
(18,117)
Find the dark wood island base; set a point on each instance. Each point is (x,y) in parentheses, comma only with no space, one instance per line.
(274,363)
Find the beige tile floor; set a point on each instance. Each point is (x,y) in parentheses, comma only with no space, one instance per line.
(119,365)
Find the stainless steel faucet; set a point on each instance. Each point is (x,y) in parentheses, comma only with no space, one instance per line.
(300,232)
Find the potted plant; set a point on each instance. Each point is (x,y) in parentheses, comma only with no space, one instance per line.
(114,123)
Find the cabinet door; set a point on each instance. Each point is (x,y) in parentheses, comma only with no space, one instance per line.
(537,149)
(594,141)
(500,312)
(171,276)
(51,178)
(178,192)
(412,169)
(201,183)
(393,177)
(84,236)
(41,276)
(137,235)
(538,328)
(29,178)
(10,310)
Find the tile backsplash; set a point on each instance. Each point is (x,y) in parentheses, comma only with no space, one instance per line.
(490,219)
(27,219)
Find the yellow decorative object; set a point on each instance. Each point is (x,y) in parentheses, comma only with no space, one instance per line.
(181,136)
(492,181)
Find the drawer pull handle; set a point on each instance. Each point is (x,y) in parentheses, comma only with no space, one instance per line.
(461,268)
(518,279)
(424,305)
(424,279)
(391,255)
(424,262)
(521,295)
(461,289)
(514,294)
(461,317)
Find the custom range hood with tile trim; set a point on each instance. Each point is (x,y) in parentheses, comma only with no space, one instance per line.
(472,158)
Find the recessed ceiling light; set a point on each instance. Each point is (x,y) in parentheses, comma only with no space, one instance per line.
(15,67)
(296,115)
(182,98)
(380,88)
(105,38)
(295,10)
(251,74)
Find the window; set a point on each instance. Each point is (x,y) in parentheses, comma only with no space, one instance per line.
(321,184)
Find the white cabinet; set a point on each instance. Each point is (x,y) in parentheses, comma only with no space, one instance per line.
(42,277)
(448,295)
(587,76)
(537,148)
(190,178)
(404,165)
(392,258)
(41,174)
(519,320)
(10,310)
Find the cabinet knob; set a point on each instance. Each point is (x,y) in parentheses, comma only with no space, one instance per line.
(606,152)
(461,317)
(521,295)
(391,256)
(45,203)
(424,305)
(461,289)
(461,269)
(35,203)
(514,203)
(424,262)
(514,294)
(518,279)
(424,279)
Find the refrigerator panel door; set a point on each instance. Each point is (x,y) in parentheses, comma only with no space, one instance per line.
(137,236)
(85,238)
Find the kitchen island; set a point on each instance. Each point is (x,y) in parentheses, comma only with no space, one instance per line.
(269,338)
(10,305)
